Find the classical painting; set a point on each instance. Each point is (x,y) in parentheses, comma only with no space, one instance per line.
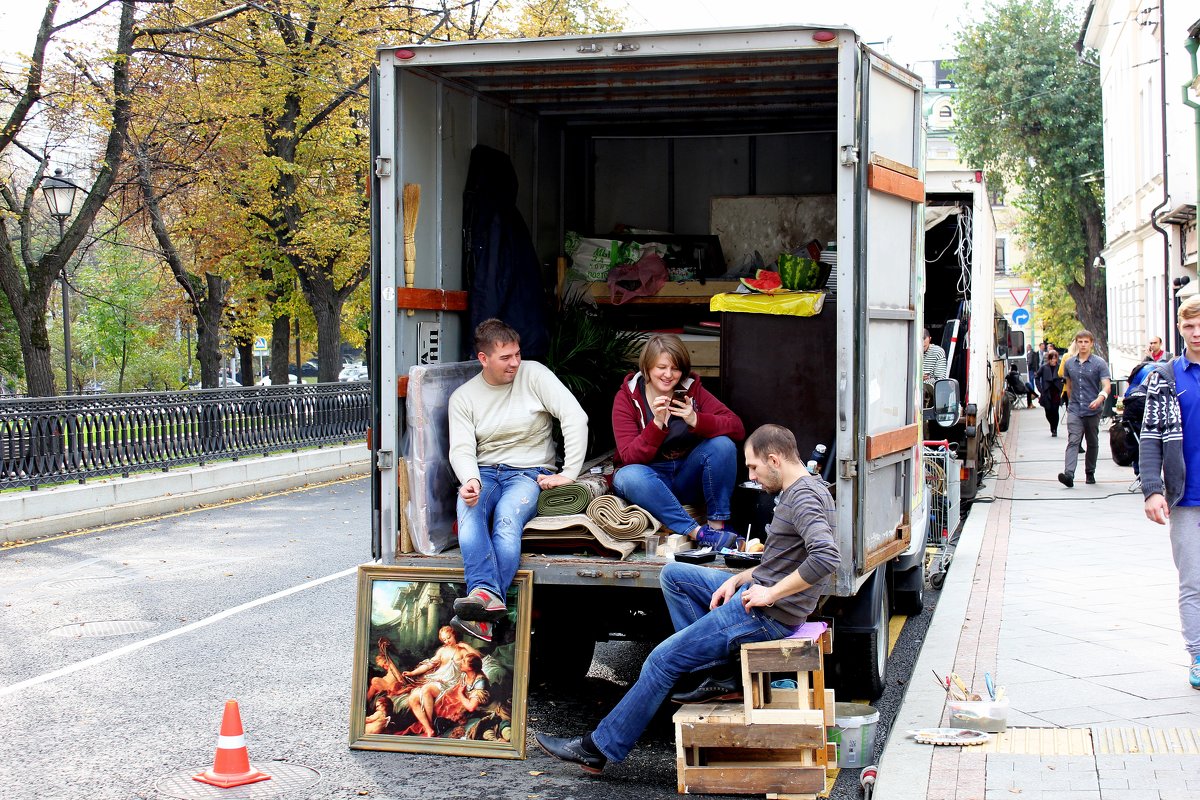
(423,686)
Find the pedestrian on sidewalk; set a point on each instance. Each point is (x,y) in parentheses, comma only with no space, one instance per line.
(714,613)
(1088,385)
(1051,385)
(1170,462)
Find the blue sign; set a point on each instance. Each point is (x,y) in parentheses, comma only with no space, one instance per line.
(1020,317)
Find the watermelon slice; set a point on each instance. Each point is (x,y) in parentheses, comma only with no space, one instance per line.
(764,281)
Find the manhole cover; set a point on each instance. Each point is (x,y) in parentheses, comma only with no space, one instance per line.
(85,582)
(96,630)
(289,778)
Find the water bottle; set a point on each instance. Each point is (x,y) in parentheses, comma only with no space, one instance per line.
(819,454)
(813,469)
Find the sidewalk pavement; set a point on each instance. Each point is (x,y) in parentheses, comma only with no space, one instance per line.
(1068,597)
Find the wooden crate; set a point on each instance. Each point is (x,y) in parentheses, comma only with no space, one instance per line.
(801,660)
(717,752)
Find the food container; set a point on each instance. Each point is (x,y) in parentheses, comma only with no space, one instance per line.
(990,716)
(695,557)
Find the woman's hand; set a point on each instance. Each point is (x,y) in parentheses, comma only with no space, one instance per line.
(685,411)
(661,406)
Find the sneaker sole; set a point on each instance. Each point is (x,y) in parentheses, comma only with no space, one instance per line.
(464,629)
(477,612)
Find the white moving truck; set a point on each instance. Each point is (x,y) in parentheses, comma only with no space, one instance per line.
(652,128)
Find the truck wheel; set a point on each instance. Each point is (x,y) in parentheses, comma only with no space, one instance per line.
(1005,412)
(861,654)
(908,590)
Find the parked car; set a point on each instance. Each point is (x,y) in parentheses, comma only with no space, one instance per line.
(265,380)
(353,372)
(309,370)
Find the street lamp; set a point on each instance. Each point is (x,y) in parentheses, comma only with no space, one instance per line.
(60,197)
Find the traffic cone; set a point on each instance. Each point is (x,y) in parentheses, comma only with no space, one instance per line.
(231,766)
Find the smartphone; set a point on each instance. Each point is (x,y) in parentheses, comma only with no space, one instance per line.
(678,396)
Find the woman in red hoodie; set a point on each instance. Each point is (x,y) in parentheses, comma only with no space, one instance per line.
(676,442)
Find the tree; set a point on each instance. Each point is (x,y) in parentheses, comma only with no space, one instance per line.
(1029,112)
(26,277)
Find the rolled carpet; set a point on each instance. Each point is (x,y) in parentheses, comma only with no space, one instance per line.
(572,498)
(620,519)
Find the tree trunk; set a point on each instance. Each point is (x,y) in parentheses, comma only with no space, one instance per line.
(328,312)
(281,337)
(208,331)
(35,351)
(1091,298)
(245,349)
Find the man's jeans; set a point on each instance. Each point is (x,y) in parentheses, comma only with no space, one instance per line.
(662,486)
(1079,428)
(702,639)
(489,533)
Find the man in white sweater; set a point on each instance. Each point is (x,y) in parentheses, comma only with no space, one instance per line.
(502,450)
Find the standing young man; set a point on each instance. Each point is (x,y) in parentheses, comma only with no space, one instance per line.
(714,613)
(1170,468)
(1088,385)
(502,450)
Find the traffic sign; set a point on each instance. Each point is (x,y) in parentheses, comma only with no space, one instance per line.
(1020,317)
(260,346)
(1019,296)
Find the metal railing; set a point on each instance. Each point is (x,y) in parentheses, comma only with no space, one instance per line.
(58,439)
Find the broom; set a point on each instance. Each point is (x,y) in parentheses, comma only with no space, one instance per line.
(412,203)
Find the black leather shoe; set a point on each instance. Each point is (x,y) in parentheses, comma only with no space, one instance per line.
(1066,479)
(572,750)
(1089,478)
(711,690)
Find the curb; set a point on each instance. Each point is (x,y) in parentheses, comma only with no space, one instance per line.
(55,510)
(904,768)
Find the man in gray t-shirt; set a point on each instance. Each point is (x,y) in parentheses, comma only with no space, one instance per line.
(1087,381)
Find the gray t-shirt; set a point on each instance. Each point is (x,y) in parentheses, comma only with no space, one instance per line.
(799,539)
(1085,378)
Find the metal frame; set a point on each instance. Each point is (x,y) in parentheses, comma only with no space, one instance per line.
(54,440)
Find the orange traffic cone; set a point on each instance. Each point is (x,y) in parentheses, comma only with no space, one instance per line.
(231,767)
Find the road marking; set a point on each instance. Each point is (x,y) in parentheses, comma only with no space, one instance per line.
(208,507)
(203,623)
(895,625)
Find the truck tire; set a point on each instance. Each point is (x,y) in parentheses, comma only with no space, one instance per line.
(908,590)
(860,648)
(1005,412)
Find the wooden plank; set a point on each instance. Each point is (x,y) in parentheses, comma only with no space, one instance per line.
(893,441)
(787,716)
(402,386)
(692,734)
(895,166)
(405,544)
(672,293)
(888,181)
(431,299)
(775,757)
(829,709)
(782,655)
(888,552)
(751,779)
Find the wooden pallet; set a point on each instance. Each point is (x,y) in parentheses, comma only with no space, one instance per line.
(717,752)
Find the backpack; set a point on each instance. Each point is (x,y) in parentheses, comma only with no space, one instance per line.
(1135,407)
(1123,442)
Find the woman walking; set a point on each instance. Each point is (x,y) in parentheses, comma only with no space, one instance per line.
(1052,384)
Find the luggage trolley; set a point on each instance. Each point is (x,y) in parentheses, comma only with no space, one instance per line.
(942,480)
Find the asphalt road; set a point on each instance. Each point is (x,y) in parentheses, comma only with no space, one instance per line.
(254,601)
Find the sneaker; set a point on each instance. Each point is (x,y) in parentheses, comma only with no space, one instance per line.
(1090,478)
(480,629)
(716,538)
(1194,674)
(1066,480)
(480,604)
(1136,486)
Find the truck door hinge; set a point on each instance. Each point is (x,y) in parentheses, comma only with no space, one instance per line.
(383,167)
(849,155)
(384,459)
(847,468)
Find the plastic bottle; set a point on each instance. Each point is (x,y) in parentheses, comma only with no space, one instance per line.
(813,469)
(819,454)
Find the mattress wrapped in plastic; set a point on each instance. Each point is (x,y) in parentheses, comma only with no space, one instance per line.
(433,487)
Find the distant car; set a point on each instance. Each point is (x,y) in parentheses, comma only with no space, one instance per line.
(309,370)
(222,383)
(265,380)
(352,372)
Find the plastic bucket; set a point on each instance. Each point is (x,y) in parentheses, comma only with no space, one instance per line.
(854,733)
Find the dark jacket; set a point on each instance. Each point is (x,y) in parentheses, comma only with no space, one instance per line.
(1160,456)
(639,443)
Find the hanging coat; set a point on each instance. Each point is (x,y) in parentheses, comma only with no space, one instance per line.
(504,278)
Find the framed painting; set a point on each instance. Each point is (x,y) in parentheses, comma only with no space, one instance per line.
(423,686)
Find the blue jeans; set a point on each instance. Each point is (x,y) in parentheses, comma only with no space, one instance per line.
(661,487)
(489,533)
(702,639)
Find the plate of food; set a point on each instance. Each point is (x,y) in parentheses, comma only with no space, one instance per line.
(949,736)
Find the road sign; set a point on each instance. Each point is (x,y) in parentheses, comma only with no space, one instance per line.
(1020,317)
(1019,295)
(260,346)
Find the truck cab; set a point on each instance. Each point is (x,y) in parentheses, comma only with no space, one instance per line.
(814,135)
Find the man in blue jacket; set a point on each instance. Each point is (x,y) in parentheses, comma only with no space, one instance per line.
(1170,463)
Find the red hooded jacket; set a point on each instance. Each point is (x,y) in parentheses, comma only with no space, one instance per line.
(638,443)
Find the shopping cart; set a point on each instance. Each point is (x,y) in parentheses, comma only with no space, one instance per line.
(942,481)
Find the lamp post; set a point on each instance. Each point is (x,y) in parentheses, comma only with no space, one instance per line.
(60,197)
